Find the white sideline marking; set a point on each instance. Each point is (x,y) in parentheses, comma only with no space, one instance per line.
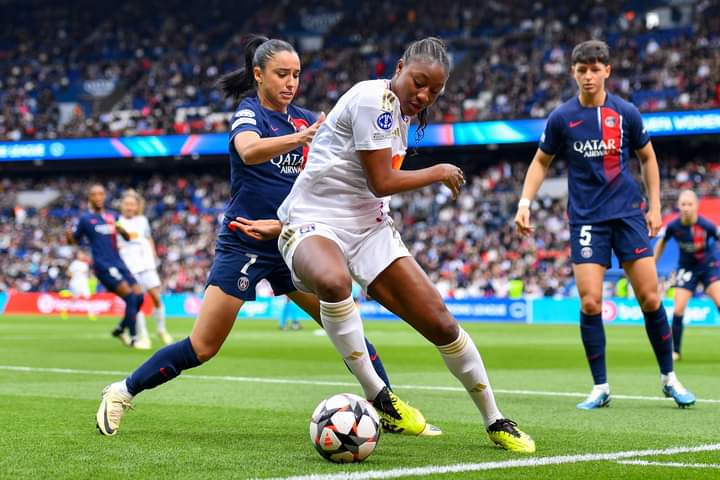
(475,467)
(289,381)
(645,463)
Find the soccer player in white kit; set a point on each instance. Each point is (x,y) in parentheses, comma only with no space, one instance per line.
(79,271)
(336,228)
(139,255)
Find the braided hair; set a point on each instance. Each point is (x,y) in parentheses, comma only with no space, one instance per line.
(431,50)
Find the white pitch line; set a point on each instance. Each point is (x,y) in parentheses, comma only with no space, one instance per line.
(291,381)
(645,463)
(475,467)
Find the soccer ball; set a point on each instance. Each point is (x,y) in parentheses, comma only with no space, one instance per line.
(345,428)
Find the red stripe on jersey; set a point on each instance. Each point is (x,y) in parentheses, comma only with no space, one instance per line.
(698,237)
(110,220)
(612,134)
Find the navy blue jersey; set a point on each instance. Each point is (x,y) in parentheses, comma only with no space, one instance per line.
(597,142)
(258,190)
(696,242)
(99,229)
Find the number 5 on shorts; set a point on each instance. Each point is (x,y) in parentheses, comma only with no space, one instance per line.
(585,235)
(253,259)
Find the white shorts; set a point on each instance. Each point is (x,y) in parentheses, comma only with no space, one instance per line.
(147,279)
(368,252)
(80,289)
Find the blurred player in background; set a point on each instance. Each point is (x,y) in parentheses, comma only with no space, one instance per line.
(268,141)
(696,237)
(140,256)
(100,229)
(79,271)
(595,132)
(336,227)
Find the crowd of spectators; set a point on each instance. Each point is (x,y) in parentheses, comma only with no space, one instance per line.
(468,246)
(71,70)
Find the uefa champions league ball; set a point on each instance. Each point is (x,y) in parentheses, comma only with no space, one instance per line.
(345,428)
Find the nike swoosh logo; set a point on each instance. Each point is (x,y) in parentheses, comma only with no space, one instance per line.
(108,429)
(666,337)
(575,124)
(274,129)
(638,251)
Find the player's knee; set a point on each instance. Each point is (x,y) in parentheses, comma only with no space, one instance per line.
(591,305)
(649,301)
(334,287)
(444,328)
(204,350)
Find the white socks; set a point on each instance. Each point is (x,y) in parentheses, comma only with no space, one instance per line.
(141,326)
(343,325)
(601,388)
(160,318)
(463,360)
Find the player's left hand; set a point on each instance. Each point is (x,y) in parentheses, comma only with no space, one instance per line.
(256,229)
(654,221)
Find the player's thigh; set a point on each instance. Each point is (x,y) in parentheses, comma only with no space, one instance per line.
(309,302)
(681,299)
(713,291)
(214,322)
(589,280)
(405,289)
(642,274)
(319,265)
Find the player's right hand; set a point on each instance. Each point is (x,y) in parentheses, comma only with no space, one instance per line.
(522,221)
(257,229)
(308,134)
(452,177)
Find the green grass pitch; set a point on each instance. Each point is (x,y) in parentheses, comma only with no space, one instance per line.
(232,418)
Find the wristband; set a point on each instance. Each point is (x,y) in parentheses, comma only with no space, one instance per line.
(524,202)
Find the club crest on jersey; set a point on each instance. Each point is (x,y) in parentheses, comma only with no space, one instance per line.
(586,252)
(595,147)
(610,122)
(243,283)
(385,120)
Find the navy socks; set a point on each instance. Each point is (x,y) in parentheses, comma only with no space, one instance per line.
(677,331)
(660,336)
(592,332)
(377,363)
(163,366)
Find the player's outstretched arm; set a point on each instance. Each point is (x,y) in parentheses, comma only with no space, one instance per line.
(254,150)
(383,180)
(257,229)
(651,178)
(537,171)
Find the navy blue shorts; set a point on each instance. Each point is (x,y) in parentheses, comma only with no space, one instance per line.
(112,275)
(689,278)
(594,242)
(238,269)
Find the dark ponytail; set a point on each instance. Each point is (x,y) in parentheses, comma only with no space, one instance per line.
(258,51)
(433,50)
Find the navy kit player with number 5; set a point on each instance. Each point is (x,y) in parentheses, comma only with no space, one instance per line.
(268,143)
(99,227)
(696,236)
(595,133)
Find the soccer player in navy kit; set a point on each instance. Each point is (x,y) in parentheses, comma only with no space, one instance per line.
(595,133)
(99,227)
(696,237)
(268,141)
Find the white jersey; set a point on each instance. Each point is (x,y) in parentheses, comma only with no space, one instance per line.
(333,187)
(137,253)
(79,276)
